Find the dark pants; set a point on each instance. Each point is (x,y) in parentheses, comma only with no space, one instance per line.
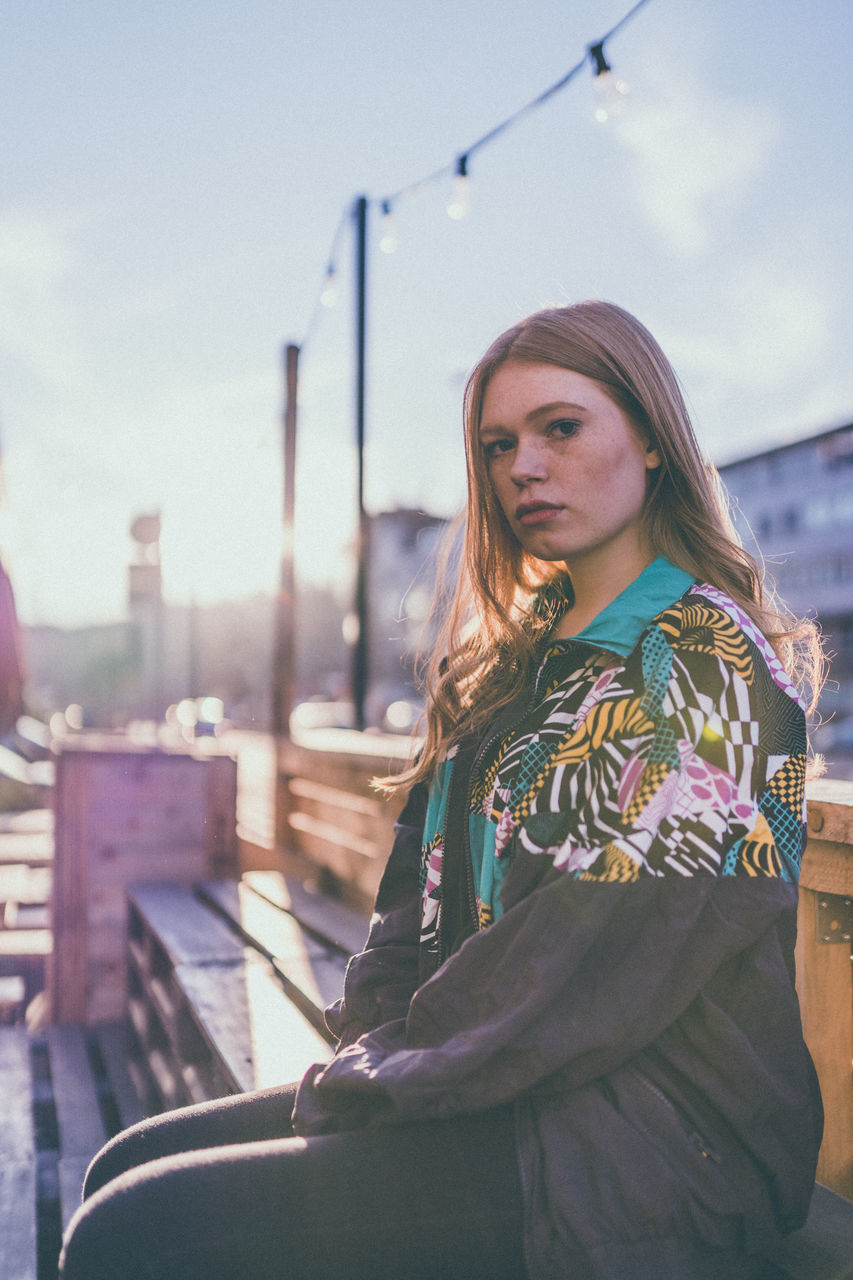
(224,1190)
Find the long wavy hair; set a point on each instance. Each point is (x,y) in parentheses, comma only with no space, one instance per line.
(502,601)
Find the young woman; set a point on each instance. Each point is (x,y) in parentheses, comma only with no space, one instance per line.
(571,1046)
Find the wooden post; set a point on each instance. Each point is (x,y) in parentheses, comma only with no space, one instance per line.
(284,655)
(360,655)
(825,972)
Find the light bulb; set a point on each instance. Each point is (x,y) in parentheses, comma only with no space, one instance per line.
(609,92)
(329,295)
(460,198)
(609,97)
(388,235)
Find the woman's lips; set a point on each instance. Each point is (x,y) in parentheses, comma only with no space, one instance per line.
(535,512)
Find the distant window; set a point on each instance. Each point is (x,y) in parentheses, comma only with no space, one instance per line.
(819,513)
(836,449)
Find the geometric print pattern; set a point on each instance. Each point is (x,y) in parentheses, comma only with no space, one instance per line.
(685,758)
(749,629)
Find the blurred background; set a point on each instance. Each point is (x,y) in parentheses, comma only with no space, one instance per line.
(177,207)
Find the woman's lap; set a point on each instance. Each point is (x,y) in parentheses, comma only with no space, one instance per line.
(252,1117)
(432,1199)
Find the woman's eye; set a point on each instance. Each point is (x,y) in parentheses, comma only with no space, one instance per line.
(564,428)
(496,447)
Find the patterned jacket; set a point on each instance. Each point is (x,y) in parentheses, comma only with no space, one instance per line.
(635,996)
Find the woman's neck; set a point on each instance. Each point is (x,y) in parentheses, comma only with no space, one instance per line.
(595,586)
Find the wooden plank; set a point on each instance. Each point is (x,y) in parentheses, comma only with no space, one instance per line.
(357,871)
(18,1220)
(22,883)
(162,1070)
(335,798)
(70,892)
(827,867)
(16,1121)
(34,848)
(825,990)
(26,942)
(248,1022)
(329,920)
(72,1172)
(187,930)
(823,1248)
(78,1113)
(81,1129)
(334,808)
(26,820)
(309,967)
(307,825)
(13,993)
(115,1047)
(13,881)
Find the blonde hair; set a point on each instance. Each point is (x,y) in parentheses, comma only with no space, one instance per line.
(505,600)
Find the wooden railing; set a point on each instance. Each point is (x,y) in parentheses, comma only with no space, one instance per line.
(824,971)
(331,825)
(336,829)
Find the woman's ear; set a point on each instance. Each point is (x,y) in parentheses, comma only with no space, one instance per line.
(653,458)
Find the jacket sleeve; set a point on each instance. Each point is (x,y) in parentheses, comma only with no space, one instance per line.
(381,979)
(581,972)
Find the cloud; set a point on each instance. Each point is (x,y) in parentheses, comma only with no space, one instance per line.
(38,257)
(778,326)
(693,156)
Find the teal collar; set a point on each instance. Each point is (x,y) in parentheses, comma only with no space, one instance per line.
(619,626)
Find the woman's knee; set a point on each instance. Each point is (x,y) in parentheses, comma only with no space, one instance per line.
(251,1117)
(204,1214)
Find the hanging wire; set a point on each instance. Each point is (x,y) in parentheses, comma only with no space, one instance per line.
(451,168)
(594,50)
(328,274)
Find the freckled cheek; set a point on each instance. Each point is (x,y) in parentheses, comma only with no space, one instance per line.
(612,479)
(504,492)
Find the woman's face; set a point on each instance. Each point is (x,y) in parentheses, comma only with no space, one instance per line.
(567,466)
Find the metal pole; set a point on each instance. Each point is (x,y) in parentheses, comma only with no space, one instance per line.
(284,659)
(360,654)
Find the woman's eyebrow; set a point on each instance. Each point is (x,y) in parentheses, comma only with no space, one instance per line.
(557,405)
(541,411)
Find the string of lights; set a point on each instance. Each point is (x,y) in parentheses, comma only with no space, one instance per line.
(609,92)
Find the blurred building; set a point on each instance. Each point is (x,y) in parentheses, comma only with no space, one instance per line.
(796,503)
(145,609)
(401,578)
(164,653)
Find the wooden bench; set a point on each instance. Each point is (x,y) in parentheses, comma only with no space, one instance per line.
(63,1093)
(228,982)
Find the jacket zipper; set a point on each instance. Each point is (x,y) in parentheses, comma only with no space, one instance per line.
(481,751)
(488,742)
(693,1134)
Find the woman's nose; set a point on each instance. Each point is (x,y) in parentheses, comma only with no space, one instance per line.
(529,462)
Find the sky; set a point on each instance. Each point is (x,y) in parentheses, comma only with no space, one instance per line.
(177,175)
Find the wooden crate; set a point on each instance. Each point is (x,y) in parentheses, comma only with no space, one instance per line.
(124,815)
